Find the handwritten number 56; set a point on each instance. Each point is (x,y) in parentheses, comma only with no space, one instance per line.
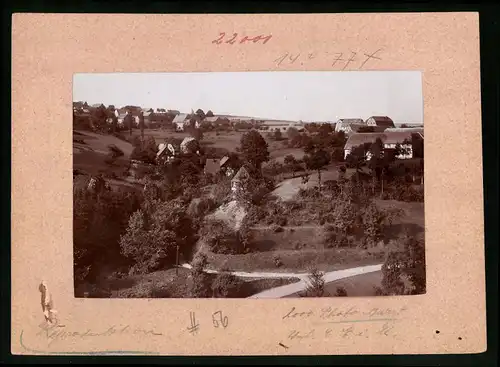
(219,320)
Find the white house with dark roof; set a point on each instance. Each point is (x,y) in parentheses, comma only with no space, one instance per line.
(389,138)
(381,121)
(179,121)
(349,125)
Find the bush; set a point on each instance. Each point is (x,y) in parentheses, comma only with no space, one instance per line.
(221,239)
(226,285)
(341,292)
(200,282)
(404,267)
(315,284)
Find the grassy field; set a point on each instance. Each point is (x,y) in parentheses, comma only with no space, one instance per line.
(296,260)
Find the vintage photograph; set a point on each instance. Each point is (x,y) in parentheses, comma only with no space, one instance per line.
(248,184)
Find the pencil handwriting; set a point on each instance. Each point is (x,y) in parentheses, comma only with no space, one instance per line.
(339,60)
(55,333)
(235,38)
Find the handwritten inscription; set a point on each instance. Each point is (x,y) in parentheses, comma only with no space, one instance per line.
(195,326)
(334,314)
(338,60)
(232,38)
(219,320)
(346,323)
(55,333)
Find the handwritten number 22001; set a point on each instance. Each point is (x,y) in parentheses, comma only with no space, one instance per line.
(244,39)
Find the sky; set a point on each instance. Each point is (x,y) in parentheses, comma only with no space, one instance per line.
(305,95)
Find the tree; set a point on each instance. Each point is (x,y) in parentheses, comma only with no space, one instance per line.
(315,284)
(377,162)
(200,114)
(149,245)
(291,163)
(254,149)
(340,292)
(277,135)
(196,133)
(226,285)
(128,121)
(199,286)
(292,133)
(404,267)
(316,161)
(141,124)
(325,129)
(153,234)
(209,114)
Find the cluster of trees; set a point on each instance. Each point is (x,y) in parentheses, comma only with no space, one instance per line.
(404,267)
(392,178)
(99,219)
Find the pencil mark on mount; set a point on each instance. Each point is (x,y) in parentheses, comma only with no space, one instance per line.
(99,352)
(195,326)
(283,345)
(339,61)
(219,320)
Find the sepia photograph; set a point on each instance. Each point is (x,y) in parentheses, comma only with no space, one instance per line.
(248,184)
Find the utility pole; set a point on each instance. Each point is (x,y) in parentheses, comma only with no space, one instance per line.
(177,260)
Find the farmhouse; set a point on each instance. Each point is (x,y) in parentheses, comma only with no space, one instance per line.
(179,121)
(349,125)
(381,121)
(389,139)
(190,145)
(166,152)
(227,166)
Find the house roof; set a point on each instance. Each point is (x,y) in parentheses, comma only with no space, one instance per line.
(351,121)
(211,119)
(393,137)
(161,149)
(212,166)
(241,175)
(180,118)
(419,130)
(382,120)
(187,140)
(96,105)
(223,160)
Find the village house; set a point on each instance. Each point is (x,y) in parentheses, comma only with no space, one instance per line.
(227,166)
(190,145)
(166,153)
(380,121)
(349,126)
(389,139)
(239,180)
(179,121)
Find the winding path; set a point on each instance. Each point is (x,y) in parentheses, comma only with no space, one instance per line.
(286,290)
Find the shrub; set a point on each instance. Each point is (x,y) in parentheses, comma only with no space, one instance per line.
(219,237)
(315,284)
(404,267)
(226,285)
(341,292)
(199,285)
